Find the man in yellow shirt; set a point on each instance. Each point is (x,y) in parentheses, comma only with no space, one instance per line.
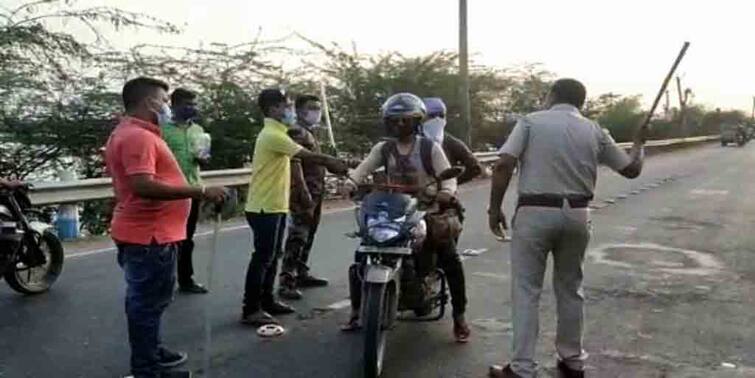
(267,203)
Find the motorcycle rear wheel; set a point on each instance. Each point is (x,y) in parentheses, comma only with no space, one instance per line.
(377,308)
(38,279)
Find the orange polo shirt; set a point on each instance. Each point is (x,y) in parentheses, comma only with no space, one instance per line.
(136,147)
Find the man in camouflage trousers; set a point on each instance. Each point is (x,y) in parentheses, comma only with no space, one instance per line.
(307,194)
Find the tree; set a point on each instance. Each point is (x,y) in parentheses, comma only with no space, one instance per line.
(53,102)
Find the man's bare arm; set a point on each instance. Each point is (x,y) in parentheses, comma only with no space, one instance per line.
(333,164)
(502,172)
(637,154)
(634,168)
(147,187)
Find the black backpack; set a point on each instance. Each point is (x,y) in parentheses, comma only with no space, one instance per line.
(390,148)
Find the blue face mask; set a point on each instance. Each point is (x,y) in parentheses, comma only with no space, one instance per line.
(289,117)
(187,113)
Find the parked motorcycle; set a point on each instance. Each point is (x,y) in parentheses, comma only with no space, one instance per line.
(31,255)
(395,276)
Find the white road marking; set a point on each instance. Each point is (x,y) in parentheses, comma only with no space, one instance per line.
(89,253)
(339,305)
(75,255)
(708,192)
(497,276)
(474,252)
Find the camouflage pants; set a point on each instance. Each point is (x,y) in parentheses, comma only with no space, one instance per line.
(301,235)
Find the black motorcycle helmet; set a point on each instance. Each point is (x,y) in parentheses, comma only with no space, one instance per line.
(400,108)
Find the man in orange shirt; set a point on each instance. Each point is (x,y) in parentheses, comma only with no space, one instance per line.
(149,220)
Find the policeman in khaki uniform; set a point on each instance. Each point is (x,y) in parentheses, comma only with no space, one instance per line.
(558,151)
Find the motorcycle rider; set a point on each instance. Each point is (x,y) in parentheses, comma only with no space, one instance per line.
(410,159)
(455,149)
(457,152)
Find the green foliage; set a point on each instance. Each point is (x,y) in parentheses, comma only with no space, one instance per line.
(59,96)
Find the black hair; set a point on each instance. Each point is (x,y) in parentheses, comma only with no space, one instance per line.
(180,95)
(302,100)
(270,98)
(135,90)
(569,91)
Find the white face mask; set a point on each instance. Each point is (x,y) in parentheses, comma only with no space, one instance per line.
(165,115)
(433,129)
(312,117)
(289,117)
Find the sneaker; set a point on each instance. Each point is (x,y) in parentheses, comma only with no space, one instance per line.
(176,374)
(192,288)
(565,371)
(290,293)
(171,374)
(278,308)
(287,287)
(258,319)
(498,371)
(169,359)
(307,280)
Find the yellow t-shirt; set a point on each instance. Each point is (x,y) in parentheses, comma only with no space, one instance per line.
(270,185)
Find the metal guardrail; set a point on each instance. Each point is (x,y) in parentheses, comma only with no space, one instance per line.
(50,193)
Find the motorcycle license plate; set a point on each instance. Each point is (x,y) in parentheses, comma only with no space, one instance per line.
(384,250)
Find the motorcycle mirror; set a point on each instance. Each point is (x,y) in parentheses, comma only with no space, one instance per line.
(450,173)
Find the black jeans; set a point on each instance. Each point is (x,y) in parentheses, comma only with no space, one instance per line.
(267,230)
(186,248)
(448,260)
(150,272)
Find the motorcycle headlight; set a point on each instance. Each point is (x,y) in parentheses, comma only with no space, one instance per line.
(382,229)
(382,234)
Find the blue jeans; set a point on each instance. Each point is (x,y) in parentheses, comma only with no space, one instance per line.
(150,272)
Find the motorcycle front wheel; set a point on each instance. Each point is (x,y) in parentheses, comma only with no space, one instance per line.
(38,279)
(377,309)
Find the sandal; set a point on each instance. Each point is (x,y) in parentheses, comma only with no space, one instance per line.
(352,325)
(461,332)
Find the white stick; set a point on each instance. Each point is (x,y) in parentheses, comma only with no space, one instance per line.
(326,111)
(208,304)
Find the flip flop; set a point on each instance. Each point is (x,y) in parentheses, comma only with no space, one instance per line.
(352,325)
(462,333)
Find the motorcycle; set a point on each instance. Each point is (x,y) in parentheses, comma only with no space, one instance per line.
(394,274)
(31,255)
(741,138)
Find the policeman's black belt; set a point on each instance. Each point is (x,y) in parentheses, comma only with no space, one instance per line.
(552,200)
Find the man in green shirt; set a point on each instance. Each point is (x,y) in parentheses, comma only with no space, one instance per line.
(183,136)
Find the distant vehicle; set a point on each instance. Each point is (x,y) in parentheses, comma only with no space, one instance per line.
(733,133)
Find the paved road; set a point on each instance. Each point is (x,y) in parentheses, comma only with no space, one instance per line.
(670,282)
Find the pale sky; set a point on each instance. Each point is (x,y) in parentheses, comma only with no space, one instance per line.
(623,46)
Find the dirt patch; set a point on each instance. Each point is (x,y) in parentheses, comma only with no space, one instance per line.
(657,258)
(681,223)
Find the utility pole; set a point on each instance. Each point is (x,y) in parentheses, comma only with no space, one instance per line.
(466,116)
(683,100)
(667,107)
(753,109)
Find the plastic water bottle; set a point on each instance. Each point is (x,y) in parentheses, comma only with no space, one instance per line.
(202,146)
